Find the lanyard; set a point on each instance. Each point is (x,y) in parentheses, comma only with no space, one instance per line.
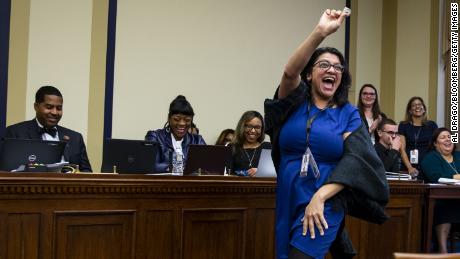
(310,120)
(416,135)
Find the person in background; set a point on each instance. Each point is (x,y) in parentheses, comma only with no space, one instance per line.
(48,112)
(309,119)
(369,110)
(225,137)
(442,161)
(389,144)
(175,135)
(415,132)
(248,143)
(194,129)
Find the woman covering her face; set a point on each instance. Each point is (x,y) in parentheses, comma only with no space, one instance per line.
(369,110)
(175,135)
(415,132)
(308,122)
(442,161)
(248,143)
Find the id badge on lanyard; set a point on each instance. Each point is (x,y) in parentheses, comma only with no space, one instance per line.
(413,154)
(308,164)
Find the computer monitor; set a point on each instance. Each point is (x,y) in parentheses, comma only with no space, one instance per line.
(265,167)
(208,160)
(129,156)
(17,152)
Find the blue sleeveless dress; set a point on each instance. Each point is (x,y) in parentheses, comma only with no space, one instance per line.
(295,192)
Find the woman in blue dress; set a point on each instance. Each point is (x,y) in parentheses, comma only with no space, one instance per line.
(306,220)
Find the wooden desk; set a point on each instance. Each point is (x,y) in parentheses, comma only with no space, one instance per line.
(402,232)
(55,216)
(434,192)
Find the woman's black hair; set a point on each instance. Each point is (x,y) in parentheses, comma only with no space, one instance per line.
(341,94)
(435,136)
(179,105)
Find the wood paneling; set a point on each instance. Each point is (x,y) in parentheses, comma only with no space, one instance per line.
(54,216)
(264,233)
(161,224)
(102,235)
(135,216)
(214,233)
(22,231)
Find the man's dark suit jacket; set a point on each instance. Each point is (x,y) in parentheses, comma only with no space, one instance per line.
(75,150)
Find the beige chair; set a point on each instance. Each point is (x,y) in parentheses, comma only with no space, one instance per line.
(426,256)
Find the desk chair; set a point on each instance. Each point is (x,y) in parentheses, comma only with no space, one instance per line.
(425,256)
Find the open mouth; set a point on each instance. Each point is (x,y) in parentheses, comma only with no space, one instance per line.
(181,130)
(447,144)
(328,83)
(252,136)
(329,80)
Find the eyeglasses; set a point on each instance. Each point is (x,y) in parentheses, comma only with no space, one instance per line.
(391,133)
(325,65)
(252,127)
(367,94)
(414,105)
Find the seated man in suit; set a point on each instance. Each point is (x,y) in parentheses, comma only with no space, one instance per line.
(48,108)
(388,146)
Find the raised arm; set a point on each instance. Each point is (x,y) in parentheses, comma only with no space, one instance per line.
(329,23)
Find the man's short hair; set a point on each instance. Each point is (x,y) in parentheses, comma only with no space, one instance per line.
(384,122)
(46,90)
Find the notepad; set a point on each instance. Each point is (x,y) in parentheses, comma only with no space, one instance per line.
(397,176)
(449,181)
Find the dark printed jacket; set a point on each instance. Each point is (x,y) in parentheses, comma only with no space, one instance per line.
(163,137)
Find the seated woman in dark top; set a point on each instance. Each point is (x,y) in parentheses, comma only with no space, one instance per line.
(415,132)
(443,161)
(174,136)
(248,143)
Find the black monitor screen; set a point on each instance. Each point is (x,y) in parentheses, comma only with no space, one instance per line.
(208,160)
(129,156)
(16,152)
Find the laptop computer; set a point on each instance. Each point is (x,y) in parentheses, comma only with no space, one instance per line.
(266,167)
(17,152)
(129,156)
(208,160)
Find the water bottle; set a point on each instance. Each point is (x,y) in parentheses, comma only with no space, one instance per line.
(177,163)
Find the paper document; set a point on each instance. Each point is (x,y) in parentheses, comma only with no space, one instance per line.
(397,176)
(449,181)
